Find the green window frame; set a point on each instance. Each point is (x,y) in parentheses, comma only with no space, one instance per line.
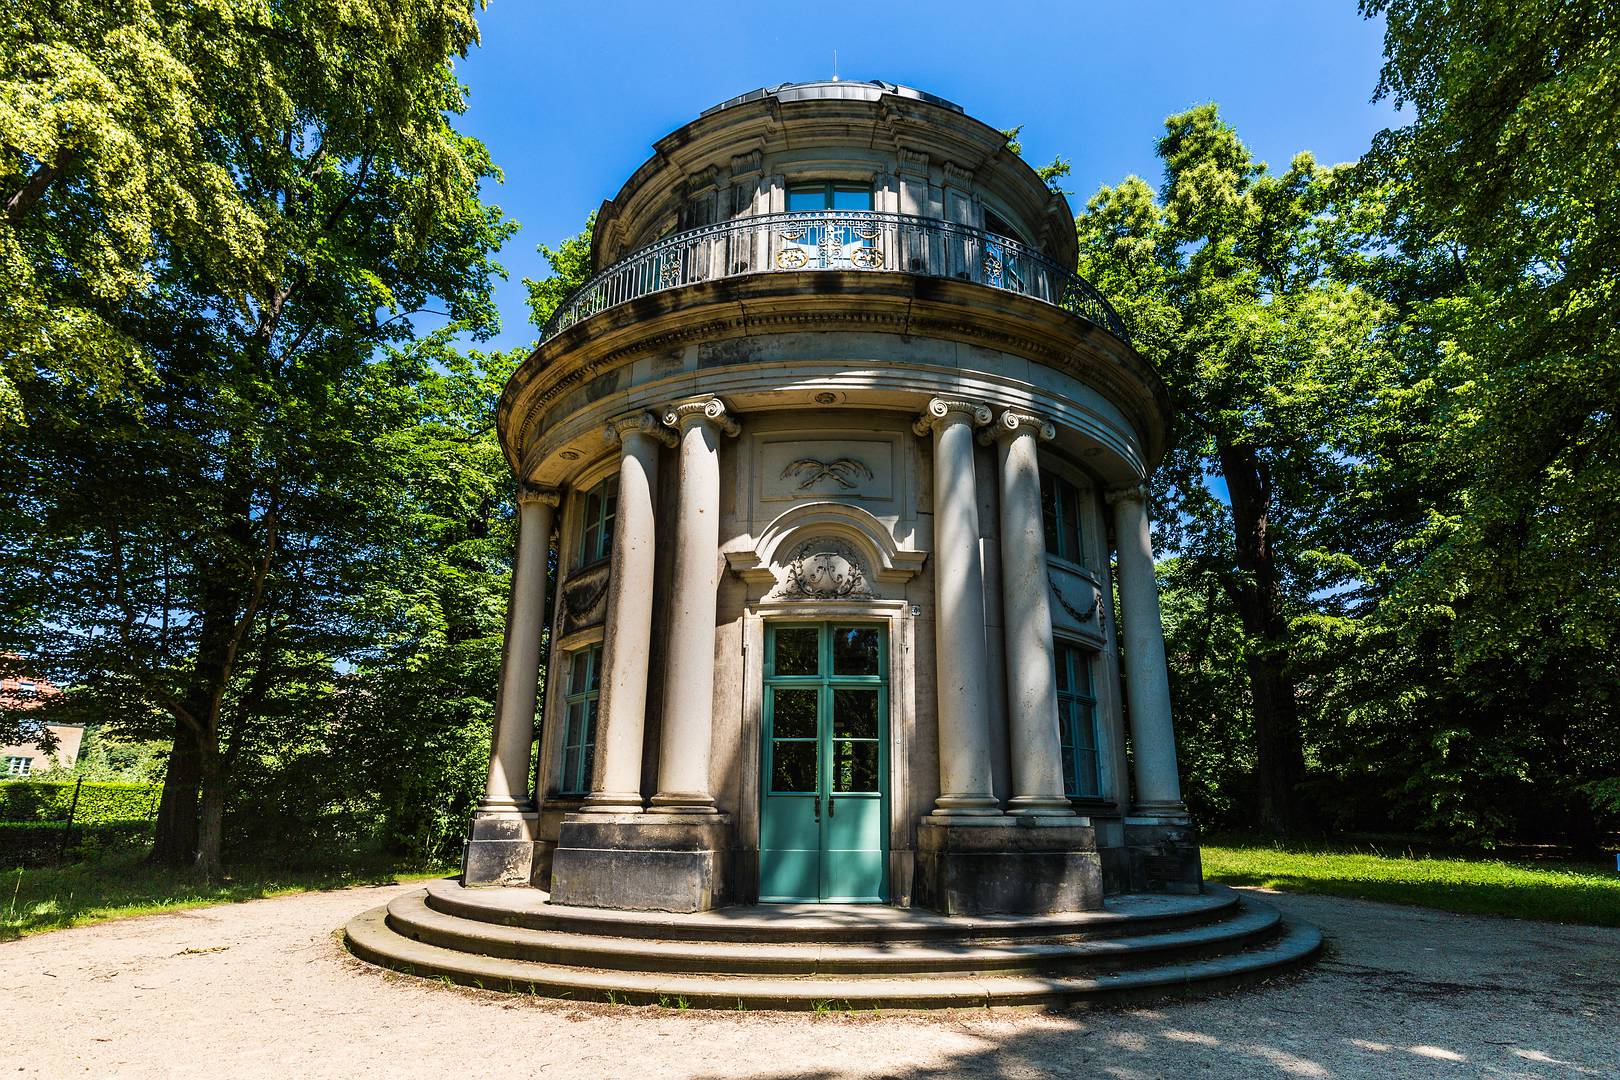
(1060,514)
(838,664)
(828,195)
(1077,722)
(579,721)
(600,508)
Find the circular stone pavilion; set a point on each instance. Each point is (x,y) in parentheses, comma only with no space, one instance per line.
(856,683)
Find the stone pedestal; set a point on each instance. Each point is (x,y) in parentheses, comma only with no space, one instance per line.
(1027,866)
(1163,856)
(500,849)
(643,862)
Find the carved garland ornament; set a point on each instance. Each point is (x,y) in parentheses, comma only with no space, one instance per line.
(1079,616)
(840,471)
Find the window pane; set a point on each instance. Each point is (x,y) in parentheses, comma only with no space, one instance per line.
(570,773)
(855,650)
(793,766)
(1071,523)
(1049,514)
(793,715)
(855,765)
(855,714)
(593,668)
(1089,782)
(1085,726)
(610,510)
(590,542)
(1082,670)
(852,197)
(1061,662)
(807,197)
(798,651)
(1070,785)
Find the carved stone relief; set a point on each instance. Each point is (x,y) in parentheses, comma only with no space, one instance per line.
(794,468)
(823,569)
(584,600)
(1086,609)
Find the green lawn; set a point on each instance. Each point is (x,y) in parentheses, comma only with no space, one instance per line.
(119,885)
(1552,889)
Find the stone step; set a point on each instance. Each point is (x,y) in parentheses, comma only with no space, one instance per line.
(411,917)
(876,924)
(370,938)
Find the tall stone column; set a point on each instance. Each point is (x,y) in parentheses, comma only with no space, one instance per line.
(501,845)
(1032,709)
(683,760)
(1147,682)
(959,656)
(623,704)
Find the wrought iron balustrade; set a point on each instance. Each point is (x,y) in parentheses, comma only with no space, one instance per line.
(836,240)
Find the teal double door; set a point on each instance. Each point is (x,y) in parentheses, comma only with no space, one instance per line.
(824,782)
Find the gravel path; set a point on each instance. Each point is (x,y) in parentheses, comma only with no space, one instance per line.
(264,990)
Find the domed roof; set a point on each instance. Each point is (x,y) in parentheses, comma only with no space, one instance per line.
(833,89)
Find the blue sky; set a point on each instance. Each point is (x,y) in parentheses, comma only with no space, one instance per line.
(569,97)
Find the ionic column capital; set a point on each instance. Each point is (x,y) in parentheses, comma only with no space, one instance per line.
(642,422)
(1012,422)
(528,494)
(1136,494)
(940,410)
(706,410)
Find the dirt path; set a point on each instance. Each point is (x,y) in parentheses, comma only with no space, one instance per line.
(265,990)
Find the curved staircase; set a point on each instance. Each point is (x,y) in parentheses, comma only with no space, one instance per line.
(832,956)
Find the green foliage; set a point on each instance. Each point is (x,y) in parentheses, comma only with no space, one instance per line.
(1559,891)
(100,803)
(570,268)
(1050,173)
(121,884)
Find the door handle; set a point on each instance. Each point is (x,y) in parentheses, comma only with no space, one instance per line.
(817,806)
(832,806)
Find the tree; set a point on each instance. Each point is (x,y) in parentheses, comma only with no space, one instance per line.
(1503,207)
(1230,281)
(103,156)
(201,548)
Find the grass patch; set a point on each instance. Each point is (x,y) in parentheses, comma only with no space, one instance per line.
(1555,890)
(119,885)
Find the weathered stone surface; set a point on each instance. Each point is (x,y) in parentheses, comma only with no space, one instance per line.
(497,862)
(1012,869)
(1164,858)
(643,862)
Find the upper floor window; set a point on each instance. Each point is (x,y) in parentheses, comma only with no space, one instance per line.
(27,689)
(993,223)
(1077,722)
(1060,507)
(596,521)
(579,724)
(828,196)
(19,766)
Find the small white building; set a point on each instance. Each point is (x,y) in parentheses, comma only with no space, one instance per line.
(843,467)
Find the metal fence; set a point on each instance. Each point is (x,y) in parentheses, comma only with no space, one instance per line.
(836,240)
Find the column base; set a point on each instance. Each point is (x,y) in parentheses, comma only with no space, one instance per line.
(613,802)
(1023,866)
(1164,856)
(1040,806)
(500,848)
(964,806)
(643,862)
(682,802)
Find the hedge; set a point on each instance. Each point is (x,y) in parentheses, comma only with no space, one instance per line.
(100,802)
(41,843)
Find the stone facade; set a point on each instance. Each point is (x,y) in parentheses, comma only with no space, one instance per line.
(893,425)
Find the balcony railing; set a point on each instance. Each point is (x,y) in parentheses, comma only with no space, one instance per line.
(836,240)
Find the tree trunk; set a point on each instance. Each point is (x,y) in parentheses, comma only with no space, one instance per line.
(1278,741)
(174,841)
(211,815)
